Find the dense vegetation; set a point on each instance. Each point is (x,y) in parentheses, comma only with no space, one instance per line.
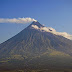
(43,70)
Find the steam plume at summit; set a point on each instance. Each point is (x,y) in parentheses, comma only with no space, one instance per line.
(17,20)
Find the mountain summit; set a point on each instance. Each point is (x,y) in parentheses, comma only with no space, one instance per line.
(34,48)
(35,23)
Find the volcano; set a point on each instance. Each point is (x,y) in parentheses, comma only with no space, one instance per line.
(35,48)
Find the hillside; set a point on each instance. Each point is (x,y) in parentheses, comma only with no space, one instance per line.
(33,48)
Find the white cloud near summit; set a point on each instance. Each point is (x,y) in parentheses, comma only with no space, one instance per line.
(17,20)
(53,31)
(35,26)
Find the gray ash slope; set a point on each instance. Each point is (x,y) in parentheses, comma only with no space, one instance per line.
(40,48)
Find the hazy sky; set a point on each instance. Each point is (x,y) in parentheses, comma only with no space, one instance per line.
(51,13)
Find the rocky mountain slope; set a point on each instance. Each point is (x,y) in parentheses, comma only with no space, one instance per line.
(37,49)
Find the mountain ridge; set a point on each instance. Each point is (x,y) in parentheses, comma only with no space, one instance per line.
(29,28)
(32,45)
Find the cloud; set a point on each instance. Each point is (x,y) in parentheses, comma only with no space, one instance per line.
(35,26)
(17,20)
(53,31)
